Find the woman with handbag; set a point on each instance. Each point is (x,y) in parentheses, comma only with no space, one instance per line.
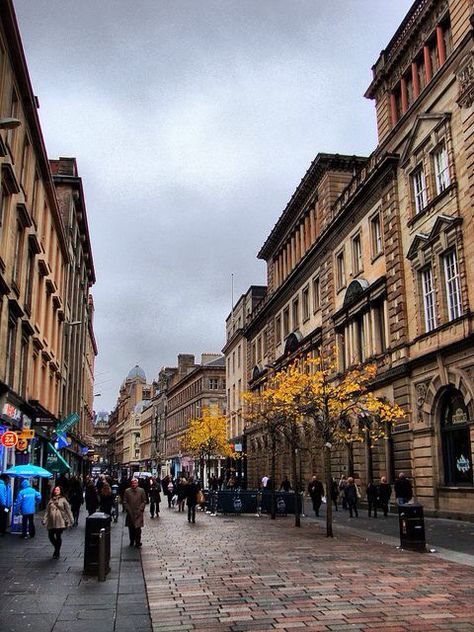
(57,517)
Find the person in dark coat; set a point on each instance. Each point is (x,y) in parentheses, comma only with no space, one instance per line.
(134,501)
(372,499)
(285,485)
(352,495)
(91,497)
(192,489)
(155,498)
(316,492)
(106,498)
(181,492)
(335,493)
(403,489)
(385,491)
(76,498)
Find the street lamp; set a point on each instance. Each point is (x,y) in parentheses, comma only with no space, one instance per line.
(9,123)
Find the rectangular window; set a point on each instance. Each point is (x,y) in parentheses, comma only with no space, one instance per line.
(356,255)
(213,383)
(316,294)
(238,356)
(259,349)
(305,295)
(296,314)
(441,169)
(254,353)
(453,285)
(286,322)
(10,355)
(278,330)
(340,270)
(429,299)
(265,342)
(376,235)
(419,190)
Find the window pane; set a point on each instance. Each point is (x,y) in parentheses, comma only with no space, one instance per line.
(453,286)
(429,299)
(419,190)
(441,170)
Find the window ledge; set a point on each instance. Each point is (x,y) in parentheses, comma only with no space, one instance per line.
(431,204)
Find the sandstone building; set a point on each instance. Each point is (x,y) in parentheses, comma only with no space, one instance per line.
(373,257)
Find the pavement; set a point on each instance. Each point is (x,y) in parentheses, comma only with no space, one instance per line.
(41,594)
(237,573)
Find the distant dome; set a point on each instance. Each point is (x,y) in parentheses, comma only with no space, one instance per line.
(136,372)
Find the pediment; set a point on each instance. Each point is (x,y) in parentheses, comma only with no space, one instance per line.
(424,126)
(441,224)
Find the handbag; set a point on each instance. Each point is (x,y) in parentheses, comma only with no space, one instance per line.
(200,498)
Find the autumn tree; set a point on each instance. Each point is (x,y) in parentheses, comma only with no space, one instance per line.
(339,407)
(206,438)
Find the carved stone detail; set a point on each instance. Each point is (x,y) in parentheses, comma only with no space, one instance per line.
(421,392)
(465,77)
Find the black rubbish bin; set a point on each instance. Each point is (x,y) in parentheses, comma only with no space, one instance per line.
(94,524)
(412,527)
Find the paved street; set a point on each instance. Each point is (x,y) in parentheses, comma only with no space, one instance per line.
(242,573)
(245,573)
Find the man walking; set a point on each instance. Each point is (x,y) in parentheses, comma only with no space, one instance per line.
(25,505)
(403,489)
(316,492)
(134,502)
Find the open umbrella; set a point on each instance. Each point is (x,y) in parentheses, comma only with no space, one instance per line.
(28,471)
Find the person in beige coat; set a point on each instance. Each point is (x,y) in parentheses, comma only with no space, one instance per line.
(134,503)
(57,517)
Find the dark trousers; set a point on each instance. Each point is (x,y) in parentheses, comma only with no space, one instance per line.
(352,506)
(135,534)
(54,536)
(154,508)
(317,504)
(3,519)
(372,507)
(28,525)
(384,507)
(192,513)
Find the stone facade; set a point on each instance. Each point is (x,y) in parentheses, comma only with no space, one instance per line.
(373,257)
(36,271)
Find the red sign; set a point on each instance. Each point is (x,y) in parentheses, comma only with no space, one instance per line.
(9,439)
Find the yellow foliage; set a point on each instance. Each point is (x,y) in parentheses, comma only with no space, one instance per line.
(206,436)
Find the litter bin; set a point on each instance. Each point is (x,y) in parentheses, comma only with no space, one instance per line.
(94,524)
(412,527)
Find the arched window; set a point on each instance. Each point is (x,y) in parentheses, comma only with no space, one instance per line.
(457,455)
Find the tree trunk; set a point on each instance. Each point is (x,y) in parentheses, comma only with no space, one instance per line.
(272,479)
(295,479)
(328,473)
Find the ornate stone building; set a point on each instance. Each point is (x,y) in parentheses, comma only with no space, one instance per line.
(373,257)
(39,282)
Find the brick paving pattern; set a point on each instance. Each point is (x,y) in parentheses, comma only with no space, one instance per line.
(245,573)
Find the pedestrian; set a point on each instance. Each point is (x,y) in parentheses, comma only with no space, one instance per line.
(192,489)
(5,502)
(372,499)
(57,517)
(316,492)
(76,498)
(106,499)
(91,497)
(403,489)
(335,493)
(285,485)
(342,487)
(25,505)
(134,502)
(155,498)
(181,493)
(385,491)
(352,494)
(265,480)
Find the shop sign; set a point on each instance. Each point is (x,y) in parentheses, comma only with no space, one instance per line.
(68,423)
(26,433)
(12,412)
(9,439)
(22,444)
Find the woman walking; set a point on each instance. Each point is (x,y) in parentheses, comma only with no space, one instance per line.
(155,498)
(106,499)
(58,516)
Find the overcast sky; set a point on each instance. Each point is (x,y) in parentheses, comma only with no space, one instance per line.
(192,122)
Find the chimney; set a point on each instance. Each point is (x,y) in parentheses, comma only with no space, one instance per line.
(209,357)
(185,362)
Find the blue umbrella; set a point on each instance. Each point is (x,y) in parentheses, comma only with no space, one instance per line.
(27,471)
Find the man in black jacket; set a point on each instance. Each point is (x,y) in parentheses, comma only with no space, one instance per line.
(403,489)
